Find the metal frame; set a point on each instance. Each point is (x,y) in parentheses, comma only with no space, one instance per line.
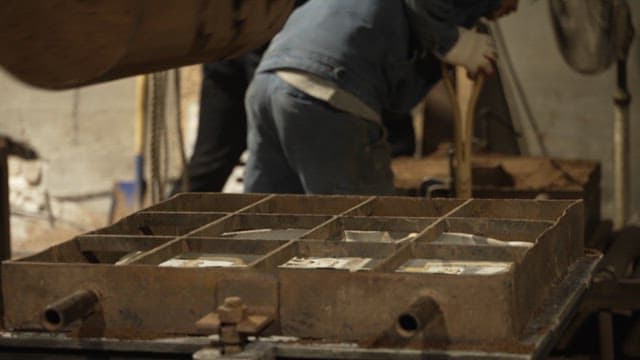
(564,299)
(126,294)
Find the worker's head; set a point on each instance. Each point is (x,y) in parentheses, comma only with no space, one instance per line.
(467,12)
(506,7)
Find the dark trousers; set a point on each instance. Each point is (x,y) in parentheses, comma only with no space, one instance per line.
(298,144)
(222,128)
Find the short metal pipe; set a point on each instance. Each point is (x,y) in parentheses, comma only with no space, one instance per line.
(621,150)
(69,309)
(417,316)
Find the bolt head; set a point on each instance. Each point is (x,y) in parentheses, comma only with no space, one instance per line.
(233,301)
(231,315)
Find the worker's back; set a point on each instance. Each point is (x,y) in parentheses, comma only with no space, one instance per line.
(362,46)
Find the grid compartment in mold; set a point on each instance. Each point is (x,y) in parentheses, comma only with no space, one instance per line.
(157,223)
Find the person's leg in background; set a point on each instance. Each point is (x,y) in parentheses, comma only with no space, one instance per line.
(329,151)
(222,127)
(401,134)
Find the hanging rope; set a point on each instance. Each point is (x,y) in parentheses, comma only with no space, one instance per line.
(185,186)
(159,148)
(157,131)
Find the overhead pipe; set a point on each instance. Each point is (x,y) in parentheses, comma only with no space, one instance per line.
(59,44)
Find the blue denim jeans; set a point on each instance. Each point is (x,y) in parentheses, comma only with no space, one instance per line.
(299,144)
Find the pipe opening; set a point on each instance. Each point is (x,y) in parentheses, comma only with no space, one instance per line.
(416,317)
(408,324)
(52,318)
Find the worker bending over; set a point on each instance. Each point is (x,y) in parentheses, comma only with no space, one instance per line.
(314,105)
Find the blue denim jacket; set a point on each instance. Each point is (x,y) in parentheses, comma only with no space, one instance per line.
(435,22)
(367,47)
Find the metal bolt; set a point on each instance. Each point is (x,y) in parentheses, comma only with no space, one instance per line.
(233,302)
(232,311)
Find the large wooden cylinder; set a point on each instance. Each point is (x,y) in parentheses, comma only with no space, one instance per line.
(59,44)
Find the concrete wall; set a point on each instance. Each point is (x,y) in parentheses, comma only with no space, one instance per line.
(573,111)
(84,136)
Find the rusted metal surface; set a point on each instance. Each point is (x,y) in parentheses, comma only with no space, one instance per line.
(69,309)
(542,333)
(615,289)
(422,322)
(67,43)
(233,322)
(324,268)
(508,177)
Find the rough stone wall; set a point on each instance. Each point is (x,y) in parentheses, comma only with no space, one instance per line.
(83,136)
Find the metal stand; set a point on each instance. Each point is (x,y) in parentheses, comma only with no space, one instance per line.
(5,225)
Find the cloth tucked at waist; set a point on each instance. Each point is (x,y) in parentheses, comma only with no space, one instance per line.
(325,90)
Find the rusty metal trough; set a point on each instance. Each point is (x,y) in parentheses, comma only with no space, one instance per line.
(378,271)
(497,176)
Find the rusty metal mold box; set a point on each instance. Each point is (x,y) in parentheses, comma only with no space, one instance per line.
(513,177)
(336,268)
